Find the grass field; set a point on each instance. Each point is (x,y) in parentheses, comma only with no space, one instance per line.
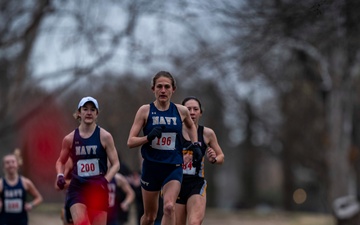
(49,214)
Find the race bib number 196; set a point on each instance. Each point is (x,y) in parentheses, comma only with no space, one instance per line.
(165,142)
(88,167)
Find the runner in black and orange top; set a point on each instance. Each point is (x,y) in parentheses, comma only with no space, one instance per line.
(191,202)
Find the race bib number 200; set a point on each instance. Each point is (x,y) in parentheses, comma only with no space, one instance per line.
(165,142)
(88,167)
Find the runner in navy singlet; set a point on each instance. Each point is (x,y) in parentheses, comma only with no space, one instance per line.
(121,195)
(161,122)
(191,203)
(89,147)
(13,193)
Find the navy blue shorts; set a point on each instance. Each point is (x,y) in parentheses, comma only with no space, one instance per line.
(17,219)
(191,186)
(93,193)
(155,175)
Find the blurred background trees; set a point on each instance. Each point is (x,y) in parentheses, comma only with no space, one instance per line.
(278,81)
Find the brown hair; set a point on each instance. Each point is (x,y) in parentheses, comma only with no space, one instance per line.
(163,74)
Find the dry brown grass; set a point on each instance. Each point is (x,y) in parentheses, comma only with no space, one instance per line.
(216,217)
(48,214)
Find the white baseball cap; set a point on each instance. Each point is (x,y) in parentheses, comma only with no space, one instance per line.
(88,99)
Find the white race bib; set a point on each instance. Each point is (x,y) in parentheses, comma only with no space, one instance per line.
(165,142)
(88,167)
(112,192)
(13,205)
(188,168)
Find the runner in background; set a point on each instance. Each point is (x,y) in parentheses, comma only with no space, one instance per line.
(191,203)
(14,190)
(133,178)
(121,195)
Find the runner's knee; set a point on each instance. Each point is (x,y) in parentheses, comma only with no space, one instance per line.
(195,222)
(169,208)
(148,219)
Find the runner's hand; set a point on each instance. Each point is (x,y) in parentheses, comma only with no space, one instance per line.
(197,154)
(155,132)
(61,181)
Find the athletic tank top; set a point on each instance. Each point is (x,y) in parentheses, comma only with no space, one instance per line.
(188,169)
(167,148)
(114,205)
(88,155)
(13,204)
(116,196)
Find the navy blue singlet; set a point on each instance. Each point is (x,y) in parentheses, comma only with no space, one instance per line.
(13,203)
(89,156)
(114,205)
(168,148)
(88,184)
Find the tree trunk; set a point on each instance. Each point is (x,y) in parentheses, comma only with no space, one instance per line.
(339,122)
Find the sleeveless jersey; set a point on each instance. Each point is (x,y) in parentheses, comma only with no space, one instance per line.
(13,204)
(116,196)
(188,169)
(88,155)
(114,205)
(167,148)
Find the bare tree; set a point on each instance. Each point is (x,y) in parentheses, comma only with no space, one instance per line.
(319,36)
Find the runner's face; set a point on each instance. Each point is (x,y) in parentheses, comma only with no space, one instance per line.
(194,109)
(88,113)
(163,89)
(10,164)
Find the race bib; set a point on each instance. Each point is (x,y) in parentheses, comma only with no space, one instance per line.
(13,205)
(187,165)
(112,192)
(188,168)
(165,142)
(88,167)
